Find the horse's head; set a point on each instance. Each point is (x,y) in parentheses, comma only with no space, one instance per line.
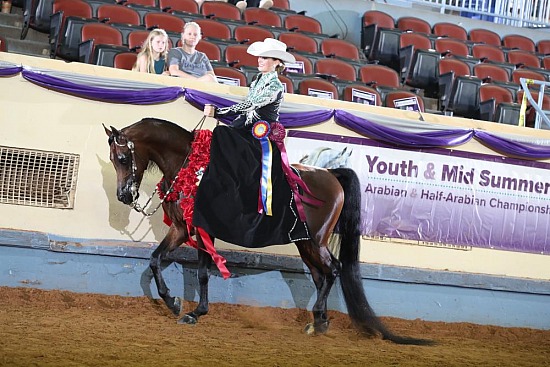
(125,156)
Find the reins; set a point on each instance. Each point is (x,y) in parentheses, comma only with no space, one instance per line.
(135,187)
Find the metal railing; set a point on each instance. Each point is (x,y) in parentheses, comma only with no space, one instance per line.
(517,13)
(542,115)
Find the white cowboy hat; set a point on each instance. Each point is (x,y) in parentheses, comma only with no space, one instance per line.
(271,47)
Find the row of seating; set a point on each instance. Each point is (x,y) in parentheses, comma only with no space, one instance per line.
(373,20)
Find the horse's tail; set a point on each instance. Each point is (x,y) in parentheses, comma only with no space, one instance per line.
(349,223)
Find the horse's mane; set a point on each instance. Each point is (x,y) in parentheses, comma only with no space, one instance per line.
(167,129)
(156,122)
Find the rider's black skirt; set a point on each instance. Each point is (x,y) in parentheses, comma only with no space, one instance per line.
(226,204)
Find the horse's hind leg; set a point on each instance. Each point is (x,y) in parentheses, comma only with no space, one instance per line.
(205,261)
(171,241)
(324,269)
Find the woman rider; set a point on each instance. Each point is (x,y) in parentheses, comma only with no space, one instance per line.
(231,202)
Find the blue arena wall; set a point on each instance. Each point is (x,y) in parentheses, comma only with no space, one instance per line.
(39,260)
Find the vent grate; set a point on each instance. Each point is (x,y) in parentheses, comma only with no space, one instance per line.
(37,178)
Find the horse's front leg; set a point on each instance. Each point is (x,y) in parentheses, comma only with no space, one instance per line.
(173,239)
(205,261)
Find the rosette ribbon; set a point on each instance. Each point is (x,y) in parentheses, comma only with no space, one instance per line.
(260,131)
(277,136)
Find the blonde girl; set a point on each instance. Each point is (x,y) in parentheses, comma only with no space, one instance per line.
(152,57)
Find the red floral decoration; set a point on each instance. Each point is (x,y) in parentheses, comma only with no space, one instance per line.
(187,179)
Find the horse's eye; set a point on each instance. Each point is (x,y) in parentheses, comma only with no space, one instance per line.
(123,159)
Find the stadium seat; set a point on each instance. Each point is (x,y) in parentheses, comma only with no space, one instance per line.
(299,42)
(262,17)
(125,60)
(287,83)
(168,22)
(344,50)
(451,30)
(424,72)
(212,51)
(409,42)
(449,69)
(543,47)
(143,7)
(464,97)
(231,76)
(339,72)
(385,49)
(100,44)
(486,36)
(213,29)
(451,46)
(172,24)
(237,57)
(494,97)
(65,28)
(512,41)
(220,10)
(381,77)
(372,20)
(186,6)
(362,94)
(393,96)
(546,62)
(304,24)
(488,52)
(491,73)
(125,19)
(36,15)
(414,24)
(136,40)
(318,87)
(523,58)
(248,34)
(526,74)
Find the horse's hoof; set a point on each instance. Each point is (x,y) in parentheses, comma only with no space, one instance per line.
(176,308)
(188,319)
(312,329)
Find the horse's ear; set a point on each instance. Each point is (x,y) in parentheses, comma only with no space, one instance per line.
(107,131)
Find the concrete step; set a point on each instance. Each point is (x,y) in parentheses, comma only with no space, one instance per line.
(25,47)
(13,19)
(10,31)
(35,44)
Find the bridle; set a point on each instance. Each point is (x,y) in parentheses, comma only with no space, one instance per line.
(134,188)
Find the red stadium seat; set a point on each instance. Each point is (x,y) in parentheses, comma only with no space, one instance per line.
(414,24)
(248,34)
(518,41)
(482,35)
(125,60)
(318,87)
(263,17)
(445,29)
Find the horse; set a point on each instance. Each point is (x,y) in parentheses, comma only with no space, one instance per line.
(152,141)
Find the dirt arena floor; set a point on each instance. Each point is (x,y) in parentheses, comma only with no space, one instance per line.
(58,328)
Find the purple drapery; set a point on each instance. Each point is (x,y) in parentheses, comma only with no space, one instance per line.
(142,96)
(514,148)
(441,138)
(9,71)
(289,120)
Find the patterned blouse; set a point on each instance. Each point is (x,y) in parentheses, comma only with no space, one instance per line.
(262,102)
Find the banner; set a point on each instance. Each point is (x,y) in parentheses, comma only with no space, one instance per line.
(439,195)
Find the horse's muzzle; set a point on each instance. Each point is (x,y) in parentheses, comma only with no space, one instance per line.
(128,194)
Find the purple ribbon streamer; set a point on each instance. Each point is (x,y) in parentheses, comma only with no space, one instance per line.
(514,148)
(9,71)
(294,119)
(140,97)
(446,138)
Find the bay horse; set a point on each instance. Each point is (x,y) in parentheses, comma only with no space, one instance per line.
(167,145)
